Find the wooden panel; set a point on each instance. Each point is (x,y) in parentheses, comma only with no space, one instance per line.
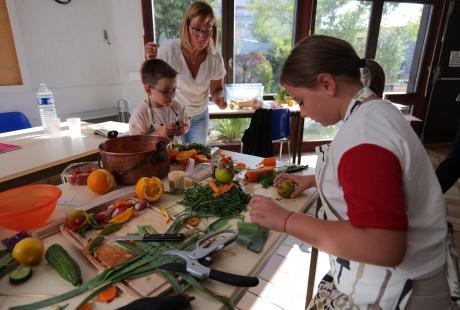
(9,65)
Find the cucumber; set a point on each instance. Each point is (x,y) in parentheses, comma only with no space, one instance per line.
(61,261)
(20,274)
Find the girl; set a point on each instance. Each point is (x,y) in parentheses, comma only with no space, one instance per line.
(383,218)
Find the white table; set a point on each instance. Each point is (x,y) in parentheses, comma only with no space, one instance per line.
(41,156)
(245,262)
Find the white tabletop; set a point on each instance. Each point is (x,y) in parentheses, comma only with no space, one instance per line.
(244,262)
(39,151)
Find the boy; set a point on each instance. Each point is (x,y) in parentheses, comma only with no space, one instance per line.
(160,114)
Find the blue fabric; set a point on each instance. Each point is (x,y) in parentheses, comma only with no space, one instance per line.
(199,127)
(281,124)
(10,121)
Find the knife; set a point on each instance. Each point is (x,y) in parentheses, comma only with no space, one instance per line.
(151,237)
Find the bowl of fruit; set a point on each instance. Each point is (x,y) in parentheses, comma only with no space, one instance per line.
(27,207)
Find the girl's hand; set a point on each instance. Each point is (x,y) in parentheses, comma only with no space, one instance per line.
(303,182)
(150,49)
(266,212)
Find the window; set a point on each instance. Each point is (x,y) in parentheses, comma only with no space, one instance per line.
(400,44)
(262,40)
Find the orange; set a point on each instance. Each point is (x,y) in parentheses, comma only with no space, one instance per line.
(183,157)
(123,217)
(100,181)
(150,189)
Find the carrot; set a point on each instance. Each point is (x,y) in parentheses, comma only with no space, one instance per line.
(270,161)
(87,306)
(223,189)
(194,221)
(214,186)
(240,165)
(254,175)
(107,295)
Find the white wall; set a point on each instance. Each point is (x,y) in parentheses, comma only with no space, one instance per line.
(63,46)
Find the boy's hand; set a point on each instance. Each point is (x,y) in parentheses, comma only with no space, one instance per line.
(220,102)
(150,49)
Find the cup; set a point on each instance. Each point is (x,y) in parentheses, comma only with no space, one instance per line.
(74,126)
(54,127)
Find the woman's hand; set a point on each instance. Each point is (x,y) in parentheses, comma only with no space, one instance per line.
(150,49)
(220,102)
(303,182)
(266,212)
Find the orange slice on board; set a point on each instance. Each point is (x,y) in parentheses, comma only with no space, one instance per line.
(123,217)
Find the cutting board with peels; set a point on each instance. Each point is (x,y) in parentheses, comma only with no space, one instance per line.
(110,254)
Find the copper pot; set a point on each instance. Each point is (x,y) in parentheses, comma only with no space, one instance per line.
(132,157)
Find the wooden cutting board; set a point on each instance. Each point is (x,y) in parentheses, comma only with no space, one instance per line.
(151,285)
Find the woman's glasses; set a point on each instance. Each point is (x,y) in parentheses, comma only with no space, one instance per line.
(205,33)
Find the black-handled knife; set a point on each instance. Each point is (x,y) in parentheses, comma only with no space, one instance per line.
(151,237)
(221,276)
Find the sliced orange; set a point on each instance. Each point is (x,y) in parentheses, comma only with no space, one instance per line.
(100,181)
(202,159)
(153,189)
(183,157)
(140,187)
(123,217)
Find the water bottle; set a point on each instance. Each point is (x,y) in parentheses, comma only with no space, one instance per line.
(45,101)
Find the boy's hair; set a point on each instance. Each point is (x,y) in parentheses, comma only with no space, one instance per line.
(322,54)
(154,70)
(205,12)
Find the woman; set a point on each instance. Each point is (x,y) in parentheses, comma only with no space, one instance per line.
(200,67)
(383,216)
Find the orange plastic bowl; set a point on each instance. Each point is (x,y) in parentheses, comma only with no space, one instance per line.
(27,207)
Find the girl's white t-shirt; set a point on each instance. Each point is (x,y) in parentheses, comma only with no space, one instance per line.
(193,93)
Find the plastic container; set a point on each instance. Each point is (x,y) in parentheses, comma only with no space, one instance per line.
(27,207)
(46,106)
(77,173)
(244,91)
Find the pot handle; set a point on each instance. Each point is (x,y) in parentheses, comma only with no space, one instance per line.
(152,157)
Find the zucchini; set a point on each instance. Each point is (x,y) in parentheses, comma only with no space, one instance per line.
(61,261)
(20,274)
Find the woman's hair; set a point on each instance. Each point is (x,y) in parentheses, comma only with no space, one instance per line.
(205,13)
(154,70)
(322,54)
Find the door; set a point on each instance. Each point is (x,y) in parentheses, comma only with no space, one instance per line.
(443,114)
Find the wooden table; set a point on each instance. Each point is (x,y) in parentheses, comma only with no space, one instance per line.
(41,156)
(297,129)
(245,262)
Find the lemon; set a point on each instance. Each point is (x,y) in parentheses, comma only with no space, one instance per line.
(28,251)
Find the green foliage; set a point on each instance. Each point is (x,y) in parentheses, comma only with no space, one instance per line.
(232,129)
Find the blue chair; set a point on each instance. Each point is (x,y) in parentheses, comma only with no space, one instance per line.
(10,121)
(281,128)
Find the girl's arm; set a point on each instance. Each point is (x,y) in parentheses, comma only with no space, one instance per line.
(382,247)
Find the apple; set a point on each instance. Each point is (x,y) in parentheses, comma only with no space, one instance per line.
(223,175)
(286,188)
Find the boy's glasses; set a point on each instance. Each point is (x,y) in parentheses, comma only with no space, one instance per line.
(205,33)
(167,92)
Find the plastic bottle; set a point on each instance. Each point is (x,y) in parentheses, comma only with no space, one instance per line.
(46,106)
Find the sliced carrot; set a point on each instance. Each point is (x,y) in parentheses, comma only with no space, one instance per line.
(254,175)
(223,189)
(214,186)
(87,306)
(270,161)
(107,295)
(193,221)
(240,165)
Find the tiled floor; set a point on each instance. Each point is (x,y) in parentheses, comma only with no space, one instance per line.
(283,281)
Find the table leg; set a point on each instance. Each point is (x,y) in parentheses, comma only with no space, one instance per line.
(300,139)
(312,274)
(296,137)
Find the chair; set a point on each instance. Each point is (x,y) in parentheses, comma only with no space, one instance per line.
(281,128)
(10,121)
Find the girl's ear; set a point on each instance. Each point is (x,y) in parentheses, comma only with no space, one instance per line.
(327,83)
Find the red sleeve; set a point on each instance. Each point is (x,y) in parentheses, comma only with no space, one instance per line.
(372,185)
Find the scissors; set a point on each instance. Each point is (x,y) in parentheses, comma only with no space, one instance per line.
(197,261)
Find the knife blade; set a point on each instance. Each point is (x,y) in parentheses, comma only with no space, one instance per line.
(151,237)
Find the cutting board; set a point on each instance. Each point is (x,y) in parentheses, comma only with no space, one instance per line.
(151,285)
